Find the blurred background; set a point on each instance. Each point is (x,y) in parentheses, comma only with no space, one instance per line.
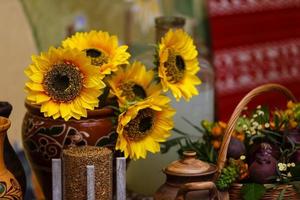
(242,44)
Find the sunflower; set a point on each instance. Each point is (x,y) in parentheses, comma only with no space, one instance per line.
(143,125)
(102,48)
(64,83)
(178,64)
(133,83)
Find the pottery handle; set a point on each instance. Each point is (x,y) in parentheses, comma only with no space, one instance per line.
(196,186)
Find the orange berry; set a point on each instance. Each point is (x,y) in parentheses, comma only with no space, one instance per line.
(272,125)
(216,131)
(222,124)
(290,104)
(293,124)
(216,144)
(244,176)
(241,137)
(289,112)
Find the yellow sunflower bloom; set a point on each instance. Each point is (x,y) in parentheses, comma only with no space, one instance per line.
(133,83)
(102,48)
(143,125)
(178,64)
(64,83)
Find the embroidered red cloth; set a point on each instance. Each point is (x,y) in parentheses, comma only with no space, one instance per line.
(254,42)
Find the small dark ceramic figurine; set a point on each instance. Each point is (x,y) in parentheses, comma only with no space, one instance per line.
(264,166)
(236,148)
(5,109)
(256,148)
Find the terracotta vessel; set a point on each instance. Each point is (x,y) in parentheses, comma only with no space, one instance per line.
(45,138)
(9,186)
(11,159)
(187,175)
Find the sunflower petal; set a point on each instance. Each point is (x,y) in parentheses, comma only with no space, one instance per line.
(65,110)
(35,86)
(41,98)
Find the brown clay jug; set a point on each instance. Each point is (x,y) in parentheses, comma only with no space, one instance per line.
(188,177)
(11,159)
(9,186)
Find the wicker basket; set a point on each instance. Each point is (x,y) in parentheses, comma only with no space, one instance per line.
(234,191)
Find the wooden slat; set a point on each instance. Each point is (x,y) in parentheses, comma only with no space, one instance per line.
(56,179)
(90,182)
(121,178)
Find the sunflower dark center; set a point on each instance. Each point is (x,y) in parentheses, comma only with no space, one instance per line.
(63,82)
(139,127)
(132,91)
(93,53)
(98,58)
(139,91)
(145,124)
(175,67)
(180,63)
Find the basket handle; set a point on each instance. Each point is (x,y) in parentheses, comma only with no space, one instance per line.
(237,112)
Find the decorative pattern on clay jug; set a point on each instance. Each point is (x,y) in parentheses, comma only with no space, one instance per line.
(44,138)
(9,186)
(11,159)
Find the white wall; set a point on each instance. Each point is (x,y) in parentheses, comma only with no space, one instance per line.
(16,48)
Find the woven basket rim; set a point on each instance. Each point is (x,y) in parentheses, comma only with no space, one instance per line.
(282,184)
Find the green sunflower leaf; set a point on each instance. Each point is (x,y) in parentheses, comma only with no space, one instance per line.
(193,125)
(166,146)
(180,132)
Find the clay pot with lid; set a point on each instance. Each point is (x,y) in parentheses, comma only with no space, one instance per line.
(188,175)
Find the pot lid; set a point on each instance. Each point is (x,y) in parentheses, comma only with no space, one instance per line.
(189,165)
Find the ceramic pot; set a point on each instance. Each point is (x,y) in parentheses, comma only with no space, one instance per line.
(44,138)
(11,159)
(187,175)
(9,186)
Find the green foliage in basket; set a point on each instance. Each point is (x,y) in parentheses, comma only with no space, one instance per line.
(228,176)
(253,191)
(296,111)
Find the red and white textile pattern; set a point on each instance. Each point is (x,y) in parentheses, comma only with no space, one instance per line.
(254,42)
(223,7)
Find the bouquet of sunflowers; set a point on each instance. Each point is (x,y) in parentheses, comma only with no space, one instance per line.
(263,153)
(91,71)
